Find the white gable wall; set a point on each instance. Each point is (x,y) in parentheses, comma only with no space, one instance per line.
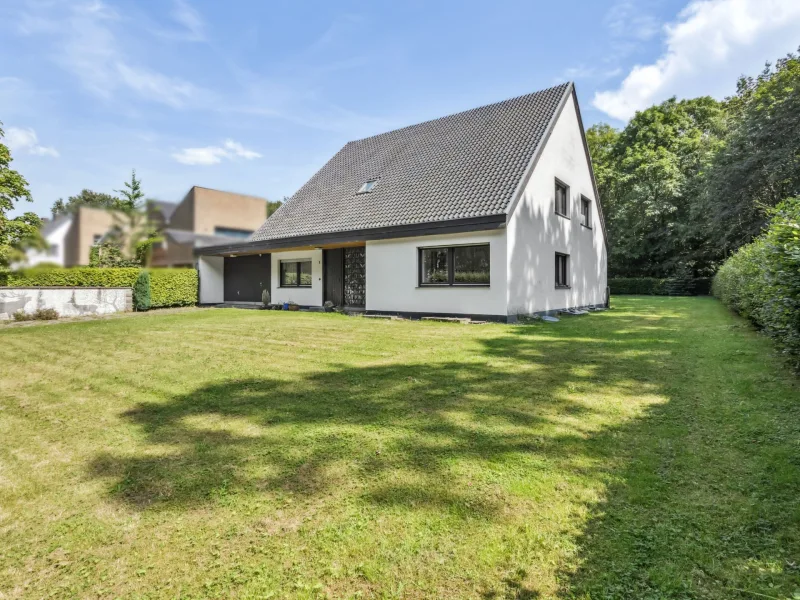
(535,233)
(55,251)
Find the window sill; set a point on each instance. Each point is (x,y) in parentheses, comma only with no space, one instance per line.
(563,216)
(294,287)
(586,226)
(563,287)
(455,285)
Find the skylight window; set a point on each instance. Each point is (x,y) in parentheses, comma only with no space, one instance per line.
(368,186)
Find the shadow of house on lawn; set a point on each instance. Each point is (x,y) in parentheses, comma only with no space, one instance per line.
(691,506)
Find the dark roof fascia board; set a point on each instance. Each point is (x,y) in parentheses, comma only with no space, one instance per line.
(538,152)
(591,167)
(363,235)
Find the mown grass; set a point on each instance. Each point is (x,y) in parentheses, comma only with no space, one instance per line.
(651,451)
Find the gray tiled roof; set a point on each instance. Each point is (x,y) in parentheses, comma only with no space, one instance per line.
(464,165)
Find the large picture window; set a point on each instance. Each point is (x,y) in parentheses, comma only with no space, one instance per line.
(454,265)
(295,273)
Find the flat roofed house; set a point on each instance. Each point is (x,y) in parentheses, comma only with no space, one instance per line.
(492,213)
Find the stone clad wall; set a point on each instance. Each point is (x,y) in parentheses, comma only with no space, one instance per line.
(68,301)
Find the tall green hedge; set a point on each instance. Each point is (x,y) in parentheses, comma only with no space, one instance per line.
(173,287)
(762,280)
(168,287)
(651,286)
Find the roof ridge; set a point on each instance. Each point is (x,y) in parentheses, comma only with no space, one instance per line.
(464,112)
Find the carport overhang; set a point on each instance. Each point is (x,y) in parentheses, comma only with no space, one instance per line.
(359,237)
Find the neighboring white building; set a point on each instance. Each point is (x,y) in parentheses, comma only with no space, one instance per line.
(491,213)
(55,234)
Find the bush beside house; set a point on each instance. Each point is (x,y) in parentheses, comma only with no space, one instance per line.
(761,281)
(168,287)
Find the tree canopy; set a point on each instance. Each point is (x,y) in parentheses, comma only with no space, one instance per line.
(20,232)
(686,182)
(86,198)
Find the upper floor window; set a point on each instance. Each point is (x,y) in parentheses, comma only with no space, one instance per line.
(562,270)
(586,212)
(562,199)
(454,265)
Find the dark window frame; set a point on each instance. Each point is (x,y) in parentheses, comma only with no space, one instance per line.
(561,184)
(451,272)
(562,279)
(297,262)
(233,232)
(586,218)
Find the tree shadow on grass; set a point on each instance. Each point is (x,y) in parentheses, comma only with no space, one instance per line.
(682,516)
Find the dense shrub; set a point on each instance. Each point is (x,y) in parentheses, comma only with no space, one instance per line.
(652,286)
(40,314)
(168,287)
(173,287)
(141,292)
(762,280)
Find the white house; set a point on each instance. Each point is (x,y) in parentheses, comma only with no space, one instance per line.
(491,213)
(54,233)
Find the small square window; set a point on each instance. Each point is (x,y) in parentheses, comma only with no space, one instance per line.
(586,212)
(97,238)
(295,273)
(562,199)
(368,186)
(562,270)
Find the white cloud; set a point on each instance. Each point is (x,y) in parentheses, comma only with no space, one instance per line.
(190,19)
(212,155)
(707,48)
(85,44)
(26,140)
(237,149)
(627,20)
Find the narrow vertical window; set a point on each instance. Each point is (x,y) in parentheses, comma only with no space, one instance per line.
(586,212)
(562,199)
(562,270)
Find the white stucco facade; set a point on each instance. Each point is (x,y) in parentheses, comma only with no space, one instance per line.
(211,272)
(535,232)
(392,276)
(55,246)
(304,296)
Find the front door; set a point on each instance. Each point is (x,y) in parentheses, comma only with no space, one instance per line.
(333,261)
(355,276)
(245,277)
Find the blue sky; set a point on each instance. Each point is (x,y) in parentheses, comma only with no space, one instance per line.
(255,96)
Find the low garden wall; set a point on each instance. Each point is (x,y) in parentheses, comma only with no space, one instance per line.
(168,287)
(67,301)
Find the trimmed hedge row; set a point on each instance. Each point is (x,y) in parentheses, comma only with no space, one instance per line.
(173,287)
(651,286)
(761,281)
(168,287)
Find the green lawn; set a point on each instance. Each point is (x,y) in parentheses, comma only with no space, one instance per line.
(651,451)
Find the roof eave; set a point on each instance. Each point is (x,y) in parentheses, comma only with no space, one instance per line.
(486,223)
